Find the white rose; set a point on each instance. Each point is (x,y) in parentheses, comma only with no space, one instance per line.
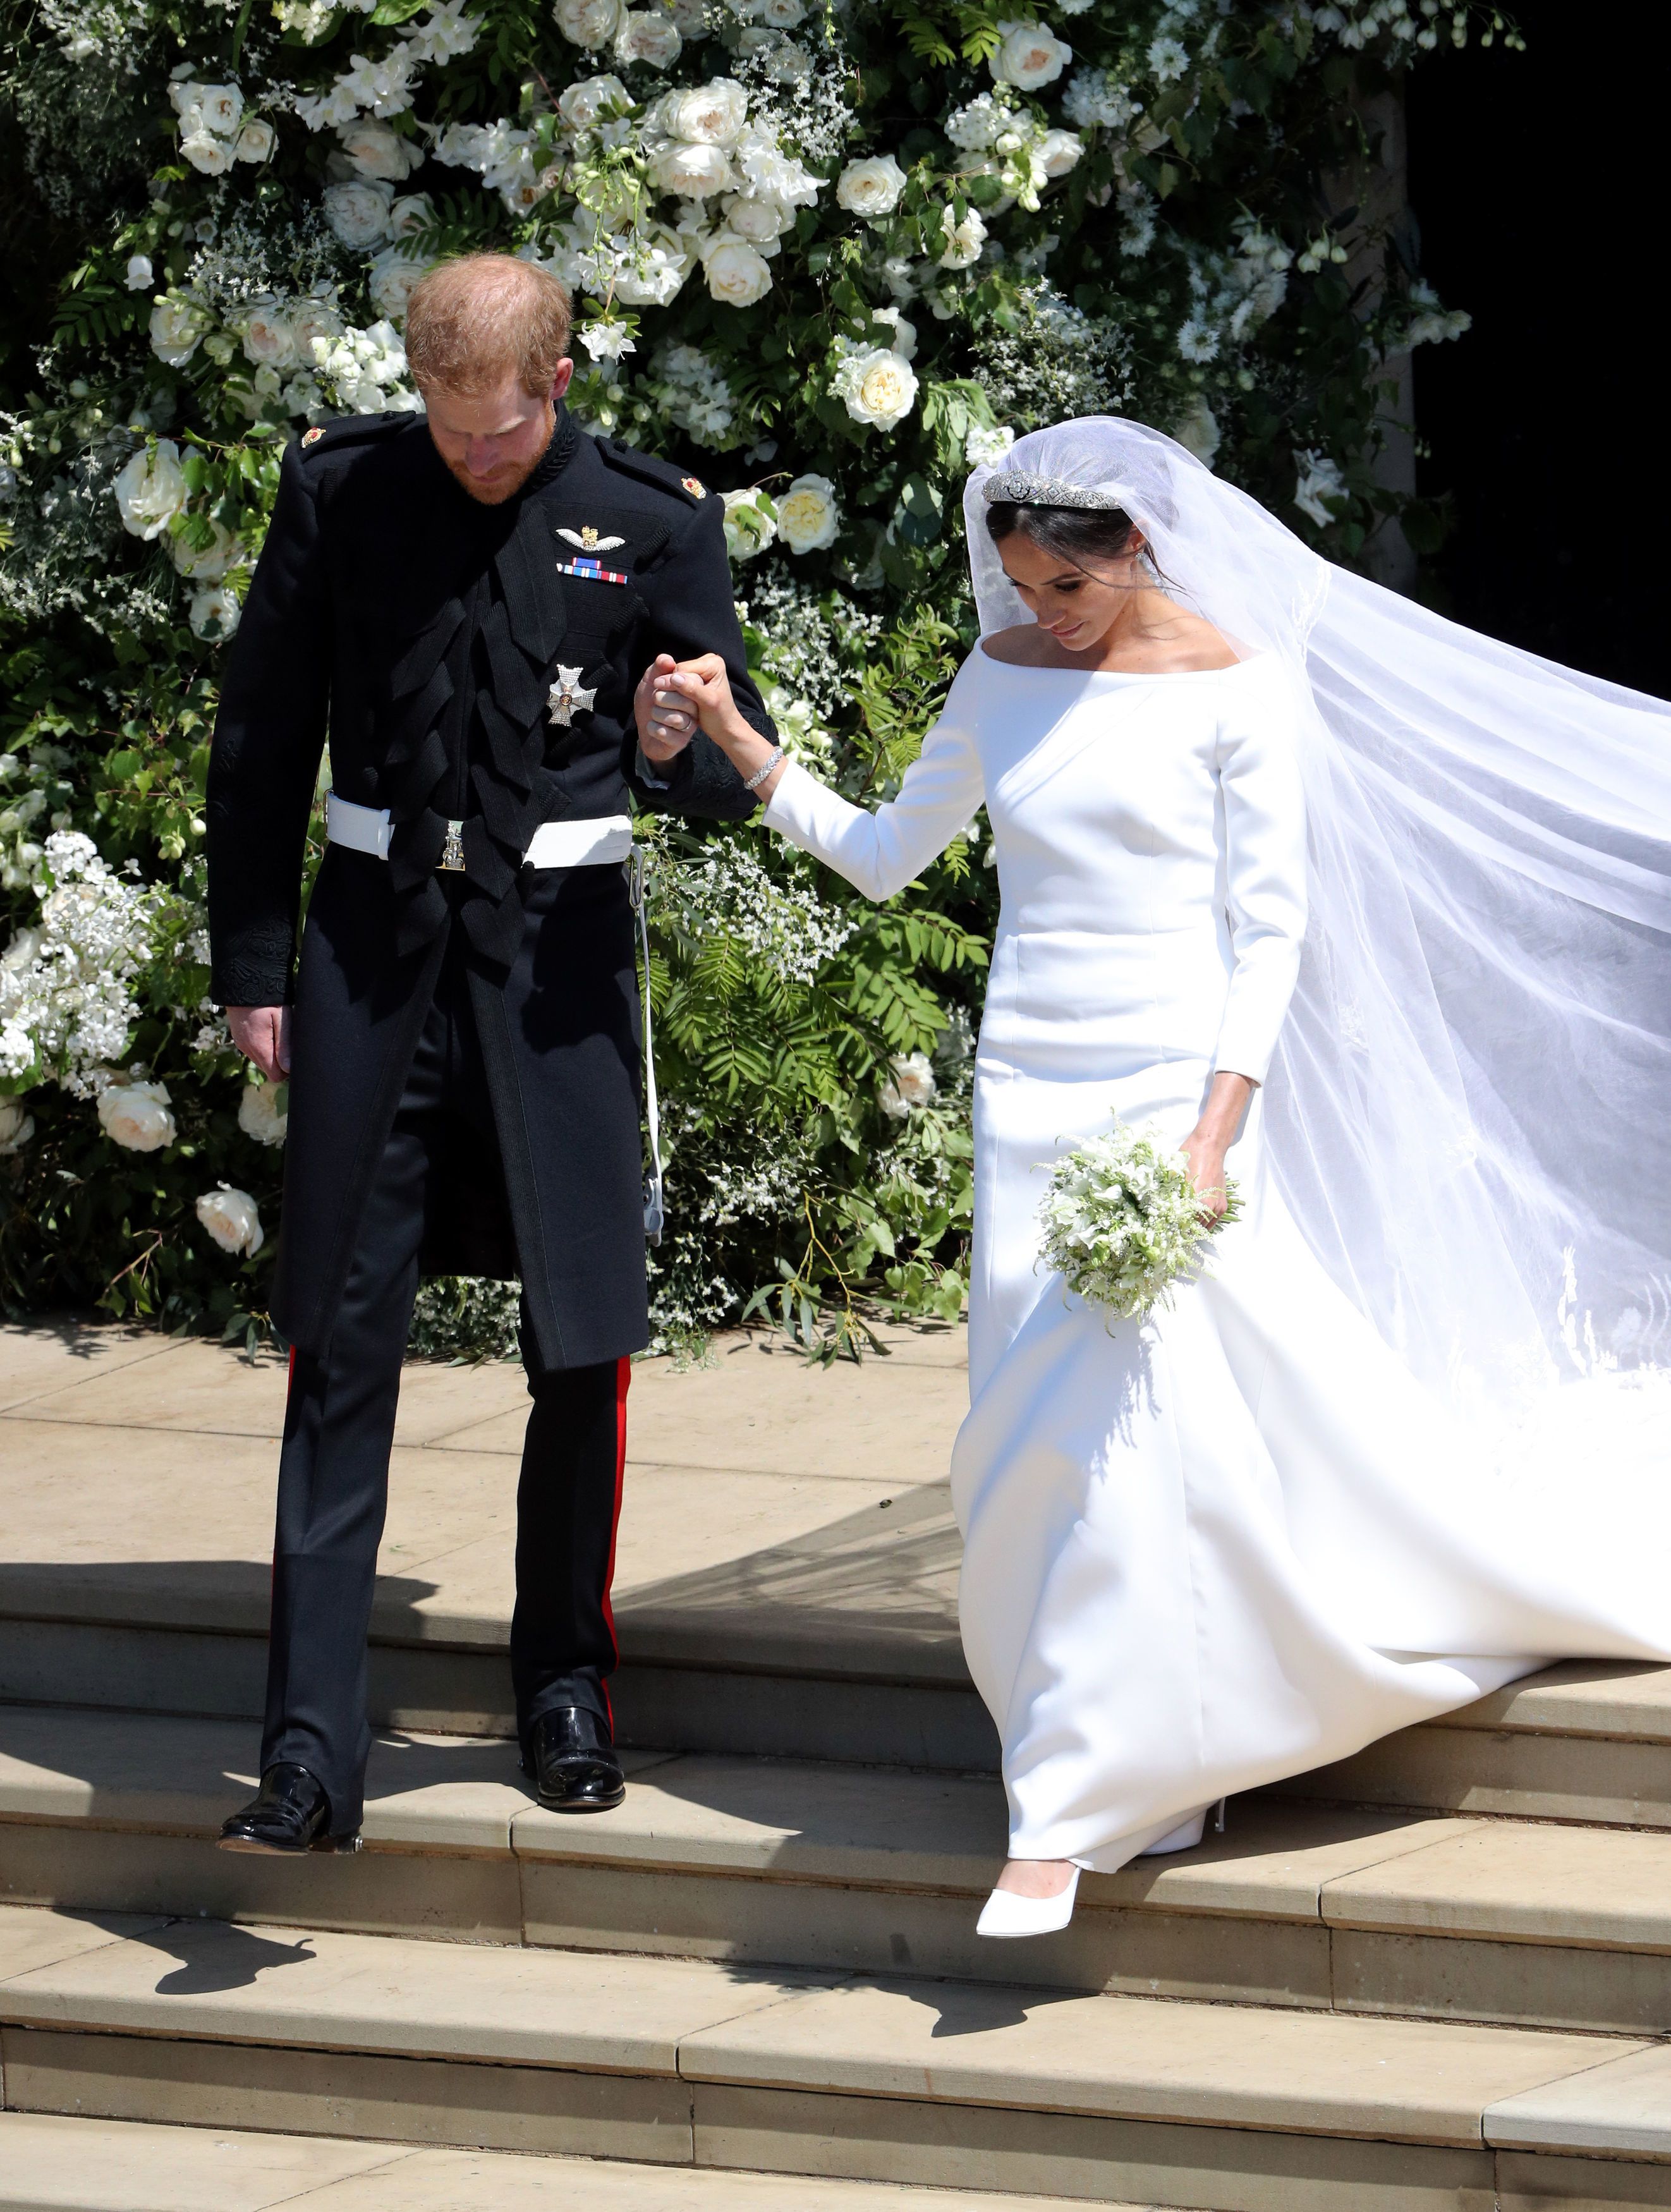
(177,327)
(763,222)
(206,564)
(254,142)
(903,339)
(590,23)
(694,172)
(1058,151)
(1029,56)
(736,273)
(358,211)
(808,517)
(394,275)
(586,103)
(219,108)
(871,188)
(214,614)
(139,272)
(963,240)
(269,337)
(16,1127)
(749,528)
(782,14)
(879,386)
(710,115)
(376,149)
(206,152)
(311,320)
(413,211)
(231,1219)
(689,17)
(259,1115)
(910,1082)
(650,38)
(185,98)
(151,491)
(135,1115)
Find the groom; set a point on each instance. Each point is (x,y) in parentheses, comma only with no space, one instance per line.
(463,601)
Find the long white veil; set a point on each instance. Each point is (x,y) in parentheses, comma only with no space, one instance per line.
(1466,1114)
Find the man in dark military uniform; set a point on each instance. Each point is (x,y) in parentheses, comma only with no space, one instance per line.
(466,601)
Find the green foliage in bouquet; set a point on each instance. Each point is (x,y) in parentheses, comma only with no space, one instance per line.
(1121,1222)
(823,255)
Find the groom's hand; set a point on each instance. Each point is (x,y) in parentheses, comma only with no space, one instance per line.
(262,1034)
(665,723)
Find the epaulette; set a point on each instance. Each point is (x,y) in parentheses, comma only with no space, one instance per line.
(649,470)
(350,430)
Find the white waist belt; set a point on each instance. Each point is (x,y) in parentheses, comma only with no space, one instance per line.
(554,845)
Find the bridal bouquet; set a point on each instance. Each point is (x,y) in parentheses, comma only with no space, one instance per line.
(1122,1220)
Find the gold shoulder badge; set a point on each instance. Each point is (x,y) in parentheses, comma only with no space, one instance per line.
(311,437)
(694,486)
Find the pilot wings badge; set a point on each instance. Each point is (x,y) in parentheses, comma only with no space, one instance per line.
(588,540)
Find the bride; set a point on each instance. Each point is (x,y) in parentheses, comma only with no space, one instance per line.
(1370,914)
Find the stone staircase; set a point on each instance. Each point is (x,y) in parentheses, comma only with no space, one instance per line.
(1437,1975)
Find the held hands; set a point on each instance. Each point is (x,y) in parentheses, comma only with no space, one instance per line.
(674,697)
(262,1034)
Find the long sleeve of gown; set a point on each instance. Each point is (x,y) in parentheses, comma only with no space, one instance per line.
(1264,865)
(879,851)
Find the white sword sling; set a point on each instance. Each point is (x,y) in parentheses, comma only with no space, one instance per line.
(608,839)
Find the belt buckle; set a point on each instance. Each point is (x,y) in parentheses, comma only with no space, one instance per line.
(452,849)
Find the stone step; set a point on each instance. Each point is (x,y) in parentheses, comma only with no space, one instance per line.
(842,1869)
(683,2063)
(49,2164)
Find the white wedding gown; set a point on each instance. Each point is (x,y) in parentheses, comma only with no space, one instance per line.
(1239,1540)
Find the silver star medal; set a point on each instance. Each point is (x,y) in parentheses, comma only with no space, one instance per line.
(567,696)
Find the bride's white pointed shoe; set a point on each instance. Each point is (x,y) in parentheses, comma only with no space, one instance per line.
(1187,1834)
(1007,1913)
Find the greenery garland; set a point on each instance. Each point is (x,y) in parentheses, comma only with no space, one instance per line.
(826,257)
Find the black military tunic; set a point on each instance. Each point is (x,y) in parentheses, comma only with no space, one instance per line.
(427,631)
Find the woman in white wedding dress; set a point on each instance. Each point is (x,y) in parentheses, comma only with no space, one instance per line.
(1264,821)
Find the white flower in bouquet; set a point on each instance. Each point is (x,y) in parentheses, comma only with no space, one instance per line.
(963,240)
(177,327)
(762,223)
(878,386)
(696,170)
(260,1114)
(809,516)
(207,564)
(1058,152)
(270,336)
(1319,479)
(255,142)
(710,114)
(377,149)
(150,489)
(586,103)
(205,151)
(909,1082)
(589,23)
(871,188)
(231,1218)
(648,37)
(750,524)
(139,274)
(1028,56)
(392,278)
(736,273)
(215,613)
(217,108)
(16,1127)
(135,1114)
(981,445)
(1122,1223)
(358,211)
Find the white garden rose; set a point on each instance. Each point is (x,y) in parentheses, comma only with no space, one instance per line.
(218,108)
(139,273)
(259,1115)
(1029,56)
(708,115)
(589,23)
(963,240)
(909,1082)
(1058,151)
(231,1218)
(585,103)
(254,142)
(151,491)
(358,211)
(761,221)
(808,516)
(270,336)
(782,14)
(413,211)
(736,272)
(16,1127)
(394,274)
(694,172)
(648,37)
(206,564)
(871,188)
(205,151)
(214,613)
(377,149)
(135,1114)
(878,386)
(689,17)
(311,320)
(750,527)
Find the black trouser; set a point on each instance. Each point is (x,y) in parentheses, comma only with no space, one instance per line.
(334,1468)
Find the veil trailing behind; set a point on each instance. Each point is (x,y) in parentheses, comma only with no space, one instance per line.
(1465,1113)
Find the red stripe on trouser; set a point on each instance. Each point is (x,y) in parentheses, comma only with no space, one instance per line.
(623,1369)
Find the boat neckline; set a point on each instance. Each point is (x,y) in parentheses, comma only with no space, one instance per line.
(1120,675)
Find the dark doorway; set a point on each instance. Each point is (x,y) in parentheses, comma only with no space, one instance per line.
(1536,180)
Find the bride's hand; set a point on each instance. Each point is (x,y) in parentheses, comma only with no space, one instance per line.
(1205,1156)
(702,688)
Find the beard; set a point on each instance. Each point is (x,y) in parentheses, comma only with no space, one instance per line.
(505,481)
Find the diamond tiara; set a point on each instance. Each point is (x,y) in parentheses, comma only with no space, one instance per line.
(1027,490)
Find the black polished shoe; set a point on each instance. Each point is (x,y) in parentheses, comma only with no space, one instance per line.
(571,1761)
(289,1814)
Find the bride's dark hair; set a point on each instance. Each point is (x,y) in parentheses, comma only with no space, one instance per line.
(1077,534)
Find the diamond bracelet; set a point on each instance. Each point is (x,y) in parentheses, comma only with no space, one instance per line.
(764,770)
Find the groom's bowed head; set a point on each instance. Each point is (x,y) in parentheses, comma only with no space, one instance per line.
(487,342)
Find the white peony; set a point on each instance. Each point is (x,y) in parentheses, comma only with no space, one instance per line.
(377,149)
(16,1127)
(205,151)
(139,273)
(878,386)
(259,1115)
(394,275)
(808,517)
(358,211)
(1058,151)
(231,1219)
(909,1082)
(648,38)
(750,527)
(585,103)
(737,274)
(708,115)
(871,188)
(1029,56)
(135,1114)
(151,491)
(269,337)
(254,142)
(694,172)
(589,23)
(963,240)
(214,613)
